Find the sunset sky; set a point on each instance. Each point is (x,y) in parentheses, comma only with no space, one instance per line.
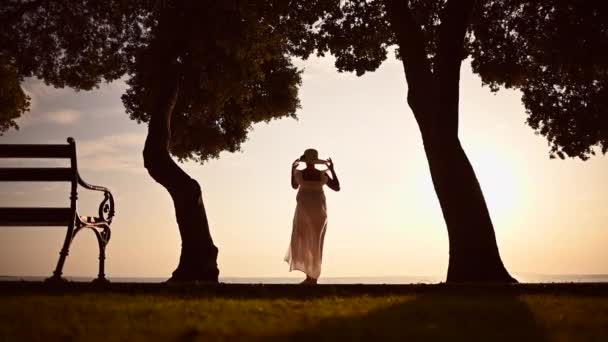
(550,216)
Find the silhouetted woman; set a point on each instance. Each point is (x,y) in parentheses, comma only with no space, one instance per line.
(305,251)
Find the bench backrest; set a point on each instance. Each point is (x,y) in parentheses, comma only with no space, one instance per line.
(40,216)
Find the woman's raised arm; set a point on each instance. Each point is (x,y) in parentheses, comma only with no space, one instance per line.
(294,184)
(333,182)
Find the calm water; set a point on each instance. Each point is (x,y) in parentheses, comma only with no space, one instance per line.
(524,278)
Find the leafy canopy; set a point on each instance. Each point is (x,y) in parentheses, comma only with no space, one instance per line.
(232,59)
(554,51)
(235,70)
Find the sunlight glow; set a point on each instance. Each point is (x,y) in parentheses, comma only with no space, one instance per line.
(500,183)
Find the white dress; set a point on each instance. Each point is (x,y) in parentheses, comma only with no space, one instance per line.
(305,251)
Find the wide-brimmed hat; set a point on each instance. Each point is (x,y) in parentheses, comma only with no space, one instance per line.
(311,156)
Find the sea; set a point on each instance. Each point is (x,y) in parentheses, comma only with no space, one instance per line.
(521,277)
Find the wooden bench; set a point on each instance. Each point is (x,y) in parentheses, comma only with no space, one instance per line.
(67,216)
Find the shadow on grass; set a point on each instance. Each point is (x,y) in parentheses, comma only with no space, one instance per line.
(432,318)
(292,291)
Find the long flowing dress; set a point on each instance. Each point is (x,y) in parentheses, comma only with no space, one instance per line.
(305,251)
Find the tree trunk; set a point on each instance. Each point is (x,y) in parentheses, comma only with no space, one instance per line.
(198,253)
(474,255)
(198,259)
(433,98)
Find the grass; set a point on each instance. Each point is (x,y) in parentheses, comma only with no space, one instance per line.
(137,315)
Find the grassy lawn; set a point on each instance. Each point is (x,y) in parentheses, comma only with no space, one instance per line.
(108,316)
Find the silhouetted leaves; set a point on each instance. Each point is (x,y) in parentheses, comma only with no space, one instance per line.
(235,67)
(232,59)
(70,43)
(555,52)
(358,35)
(65,43)
(13,100)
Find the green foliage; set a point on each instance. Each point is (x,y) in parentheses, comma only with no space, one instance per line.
(555,52)
(232,58)
(234,67)
(358,35)
(232,72)
(74,44)
(13,100)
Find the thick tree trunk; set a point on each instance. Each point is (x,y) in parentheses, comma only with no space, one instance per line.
(198,259)
(433,98)
(198,253)
(474,255)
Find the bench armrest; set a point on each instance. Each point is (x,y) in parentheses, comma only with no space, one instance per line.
(106,207)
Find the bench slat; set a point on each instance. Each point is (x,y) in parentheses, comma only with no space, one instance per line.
(49,174)
(35,151)
(35,216)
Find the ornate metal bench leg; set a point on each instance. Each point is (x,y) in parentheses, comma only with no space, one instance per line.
(56,277)
(102,239)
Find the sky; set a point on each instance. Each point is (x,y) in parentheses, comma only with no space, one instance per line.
(550,216)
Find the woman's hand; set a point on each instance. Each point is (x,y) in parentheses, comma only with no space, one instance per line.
(330,164)
(295,164)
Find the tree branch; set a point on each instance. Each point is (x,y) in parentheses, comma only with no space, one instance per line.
(454,23)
